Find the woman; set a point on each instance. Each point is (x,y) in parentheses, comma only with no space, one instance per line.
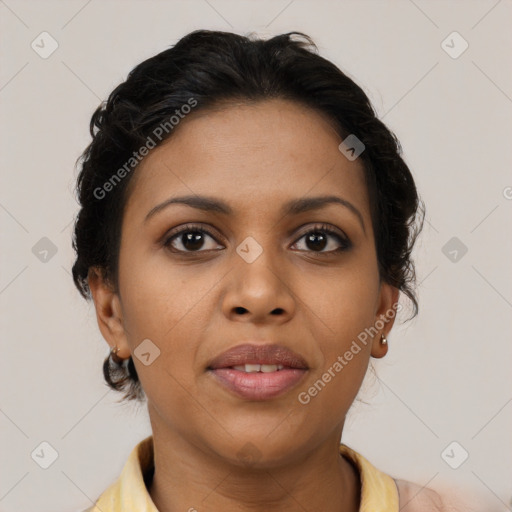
(245,231)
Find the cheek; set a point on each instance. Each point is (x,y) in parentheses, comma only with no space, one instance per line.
(345,352)
(174,326)
(339,312)
(160,298)
(342,303)
(169,306)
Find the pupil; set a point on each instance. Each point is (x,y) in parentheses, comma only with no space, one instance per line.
(192,240)
(318,241)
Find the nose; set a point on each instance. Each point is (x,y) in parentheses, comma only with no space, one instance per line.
(259,292)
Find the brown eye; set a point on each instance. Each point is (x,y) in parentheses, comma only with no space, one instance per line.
(320,238)
(191,239)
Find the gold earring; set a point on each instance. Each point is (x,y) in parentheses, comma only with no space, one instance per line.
(113,354)
(383,340)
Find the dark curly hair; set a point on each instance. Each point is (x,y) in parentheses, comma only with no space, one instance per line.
(212,67)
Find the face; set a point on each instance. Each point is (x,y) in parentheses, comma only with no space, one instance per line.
(196,282)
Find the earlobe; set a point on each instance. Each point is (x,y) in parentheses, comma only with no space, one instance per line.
(379,346)
(108,311)
(384,319)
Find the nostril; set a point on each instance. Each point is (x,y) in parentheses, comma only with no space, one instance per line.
(240,310)
(277,311)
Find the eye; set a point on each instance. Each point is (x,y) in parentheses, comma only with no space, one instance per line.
(321,237)
(190,238)
(193,238)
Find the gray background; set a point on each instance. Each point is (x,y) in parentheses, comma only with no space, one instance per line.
(447,376)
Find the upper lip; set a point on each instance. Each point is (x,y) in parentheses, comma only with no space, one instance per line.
(258,354)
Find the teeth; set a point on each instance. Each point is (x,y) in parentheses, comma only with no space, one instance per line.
(252,368)
(269,368)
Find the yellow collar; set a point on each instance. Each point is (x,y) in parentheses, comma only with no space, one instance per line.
(378,490)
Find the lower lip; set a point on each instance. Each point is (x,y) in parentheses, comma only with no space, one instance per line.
(259,385)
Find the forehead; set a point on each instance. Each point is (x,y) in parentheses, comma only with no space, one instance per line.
(253,155)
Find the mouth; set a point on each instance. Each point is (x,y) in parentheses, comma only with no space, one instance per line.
(258,372)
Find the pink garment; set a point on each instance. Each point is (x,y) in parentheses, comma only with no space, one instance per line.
(414,498)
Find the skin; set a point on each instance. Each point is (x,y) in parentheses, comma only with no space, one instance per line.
(194,305)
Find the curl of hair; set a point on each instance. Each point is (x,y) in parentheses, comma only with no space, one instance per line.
(121,375)
(214,68)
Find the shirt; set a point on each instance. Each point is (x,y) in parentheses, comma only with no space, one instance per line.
(379,491)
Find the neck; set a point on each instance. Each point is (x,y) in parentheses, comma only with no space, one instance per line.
(189,477)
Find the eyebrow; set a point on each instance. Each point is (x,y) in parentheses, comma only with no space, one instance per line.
(294,207)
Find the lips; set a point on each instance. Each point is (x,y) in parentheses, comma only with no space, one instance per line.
(258,372)
(258,354)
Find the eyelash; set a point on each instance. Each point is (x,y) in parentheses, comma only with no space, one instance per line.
(321,228)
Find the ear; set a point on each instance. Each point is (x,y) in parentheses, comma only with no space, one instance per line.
(384,317)
(108,311)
